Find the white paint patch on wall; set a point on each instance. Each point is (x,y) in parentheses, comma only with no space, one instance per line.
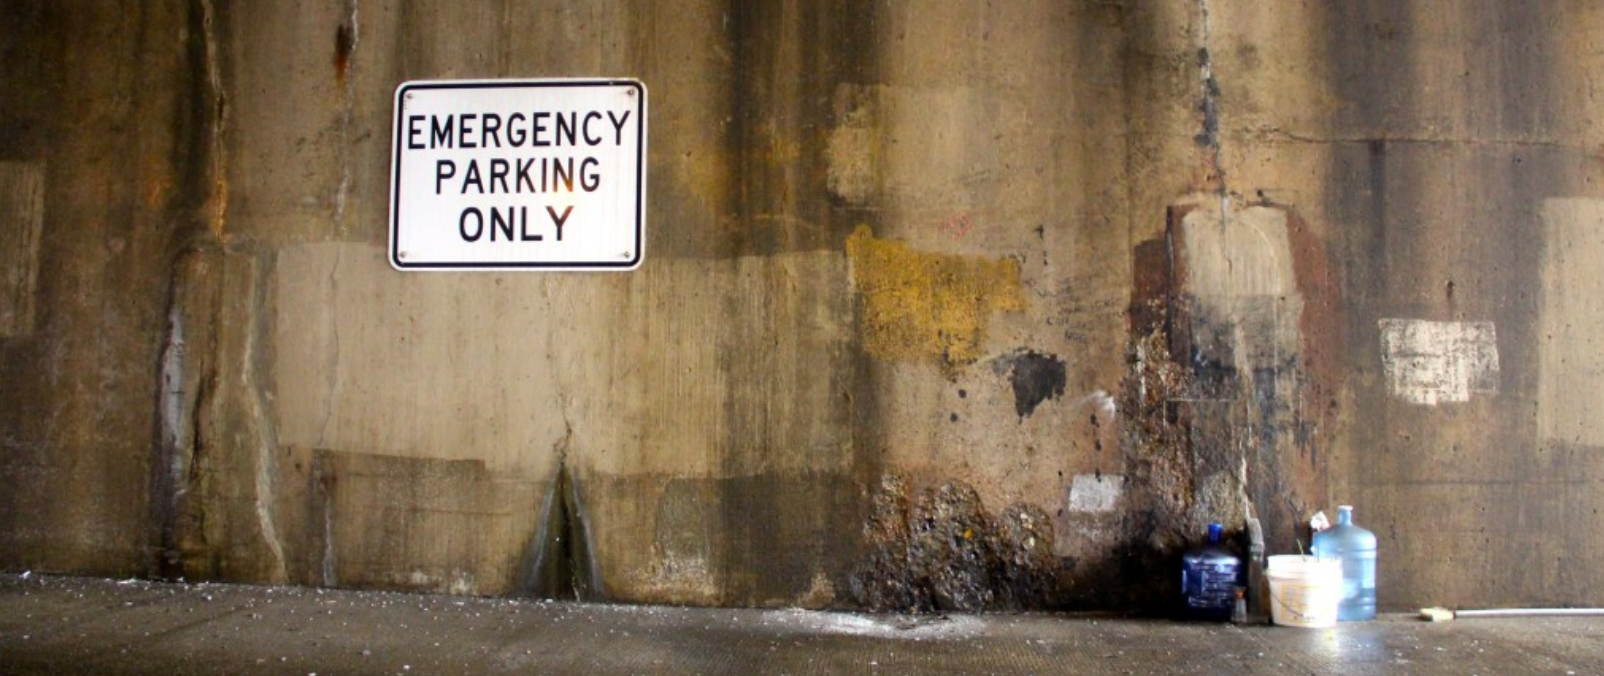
(1247,254)
(1236,264)
(1431,363)
(1095,493)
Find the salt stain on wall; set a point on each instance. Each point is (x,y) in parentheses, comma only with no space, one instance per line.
(1431,363)
(922,305)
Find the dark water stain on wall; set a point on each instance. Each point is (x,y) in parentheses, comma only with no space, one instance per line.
(30,61)
(786,62)
(779,535)
(1035,377)
(770,540)
(789,61)
(557,563)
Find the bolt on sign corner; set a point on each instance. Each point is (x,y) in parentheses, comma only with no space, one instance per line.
(519,175)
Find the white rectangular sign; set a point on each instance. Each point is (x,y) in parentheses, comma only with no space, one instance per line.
(519,175)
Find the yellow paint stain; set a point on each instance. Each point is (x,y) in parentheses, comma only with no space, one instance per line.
(923,305)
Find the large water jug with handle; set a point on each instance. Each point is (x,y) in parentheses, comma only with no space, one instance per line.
(1357,549)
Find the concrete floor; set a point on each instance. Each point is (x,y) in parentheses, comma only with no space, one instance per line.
(53,625)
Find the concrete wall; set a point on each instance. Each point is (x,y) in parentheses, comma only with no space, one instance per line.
(946,304)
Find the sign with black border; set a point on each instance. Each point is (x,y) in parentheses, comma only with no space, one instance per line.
(518,175)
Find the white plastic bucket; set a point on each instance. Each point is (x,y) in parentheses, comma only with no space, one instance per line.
(1304,590)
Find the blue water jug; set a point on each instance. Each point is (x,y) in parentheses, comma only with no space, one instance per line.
(1357,549)
(1209,578)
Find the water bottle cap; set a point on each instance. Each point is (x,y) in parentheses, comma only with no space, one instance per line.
(1345,508)
(1214,532)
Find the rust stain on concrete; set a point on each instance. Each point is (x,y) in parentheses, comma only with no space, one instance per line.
(923,305)
(344,43)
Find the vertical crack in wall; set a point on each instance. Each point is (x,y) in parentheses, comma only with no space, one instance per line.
(1209,105)
(578,569)
(560,561)
(346,39)
(547,569)
(172,450)
(257,402)
(322,489)
(582,564)
(199,213)
(217,161)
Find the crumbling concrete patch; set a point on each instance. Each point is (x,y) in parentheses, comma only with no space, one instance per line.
(1031,574)
(945,552)
(1155,441)
(884,580)
(949,530)
(1133,548)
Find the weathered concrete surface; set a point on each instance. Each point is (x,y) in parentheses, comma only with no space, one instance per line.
(64,625)
(105,110)
(1446,223)
(1128,267)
